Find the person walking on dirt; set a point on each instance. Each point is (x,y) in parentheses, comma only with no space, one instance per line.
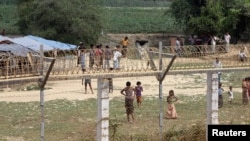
(87,81)
(138,93)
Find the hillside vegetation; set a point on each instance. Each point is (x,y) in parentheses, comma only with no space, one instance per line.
(119,16)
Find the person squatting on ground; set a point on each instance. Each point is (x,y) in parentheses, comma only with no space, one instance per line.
(171,110)
(230,95)
(220,95)
(242,55)
(138,93)
(128,92)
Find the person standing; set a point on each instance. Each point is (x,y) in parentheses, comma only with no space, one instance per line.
(245,95)
(217,64)
(110,80)
(192,40)
(124,44)
(107,57)
(171,110)
(116,58)
(79,48)
(230,95)
(87,82)
(138,93)
(128,92)
(98,55)
(227,38)
(91,56)
(213,43)
(82,59)
(220,95)
(178,46)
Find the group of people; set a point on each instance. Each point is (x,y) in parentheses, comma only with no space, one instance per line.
(230,94)
(245,88)
(131,93)
(205,40)
(101,57)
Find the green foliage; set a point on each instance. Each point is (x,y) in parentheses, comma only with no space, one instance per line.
(184,10)
(209,22)
(212,17)
(134,3)
(67,21)
(8,2)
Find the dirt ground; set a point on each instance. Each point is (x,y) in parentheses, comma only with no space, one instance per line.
(194,84)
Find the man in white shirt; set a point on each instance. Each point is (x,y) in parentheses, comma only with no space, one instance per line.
(227,38)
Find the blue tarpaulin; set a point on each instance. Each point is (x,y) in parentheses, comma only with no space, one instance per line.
(17,50)
(34,43)
(52,43)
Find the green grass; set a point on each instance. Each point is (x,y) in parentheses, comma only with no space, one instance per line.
(139,20)
(115,20)
(76,120)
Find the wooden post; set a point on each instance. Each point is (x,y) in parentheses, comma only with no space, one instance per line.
(103,110)
(29,56)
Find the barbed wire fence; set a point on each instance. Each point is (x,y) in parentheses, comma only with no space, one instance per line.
(66,69)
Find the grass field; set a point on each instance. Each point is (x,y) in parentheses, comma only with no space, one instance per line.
(115,20)
(139,20)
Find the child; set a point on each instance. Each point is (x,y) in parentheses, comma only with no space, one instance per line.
(171,111)
(87,81)
(110,80)
(138,92)
(230,94)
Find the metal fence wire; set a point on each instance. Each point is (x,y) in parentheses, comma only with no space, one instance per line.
(70,112)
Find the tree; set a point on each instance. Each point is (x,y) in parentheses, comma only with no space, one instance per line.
(213,16)
(63,20)
(210,20)
(184,10)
